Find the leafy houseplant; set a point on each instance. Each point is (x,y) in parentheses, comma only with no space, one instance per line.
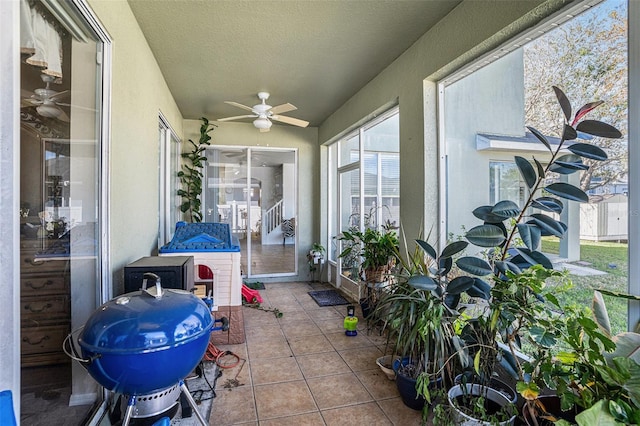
(597,372)
(510,235)
(376,248)
(191,173)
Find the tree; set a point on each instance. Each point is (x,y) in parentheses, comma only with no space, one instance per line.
(587,58)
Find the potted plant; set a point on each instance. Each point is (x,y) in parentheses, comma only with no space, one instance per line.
(372,253)
(191,174)
(418,312)
(597,374)
(511,268)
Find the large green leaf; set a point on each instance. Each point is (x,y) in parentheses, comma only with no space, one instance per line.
(484,214)
(569,133)
(542,336)
(548,223)
(485,235)
(427,248)
(526,170)
(627,345)
(587,150)
(568,164)
(505,209)
(474,266)
(504,266)
(598,414)
(563,101)
(534,257)
(460,284)
(542,138)
(600,312)
(548,204)
(598,128)
(530,235)
(567,191)
(453,249)
(422,282)
(480,289)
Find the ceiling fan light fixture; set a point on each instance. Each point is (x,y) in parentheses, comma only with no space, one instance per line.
(262,123)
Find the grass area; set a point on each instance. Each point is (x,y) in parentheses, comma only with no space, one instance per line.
(608,257)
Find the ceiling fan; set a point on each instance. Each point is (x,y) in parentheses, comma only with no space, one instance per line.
(264,113)
(46,100)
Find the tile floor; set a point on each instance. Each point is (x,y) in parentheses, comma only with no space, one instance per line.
(301,369)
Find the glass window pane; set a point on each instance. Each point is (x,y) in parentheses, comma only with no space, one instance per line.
(349,150)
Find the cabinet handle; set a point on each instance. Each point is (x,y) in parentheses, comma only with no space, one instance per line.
(43,308)
(30,284)
(42,339)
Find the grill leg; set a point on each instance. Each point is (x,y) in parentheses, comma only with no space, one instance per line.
(127,414)
(187,394)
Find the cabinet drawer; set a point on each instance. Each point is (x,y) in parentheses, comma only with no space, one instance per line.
(29,264)
(38,285)
(37,340)
(36,310)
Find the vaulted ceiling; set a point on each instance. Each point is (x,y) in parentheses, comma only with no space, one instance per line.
(315,54)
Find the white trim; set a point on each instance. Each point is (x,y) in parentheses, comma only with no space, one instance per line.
(10,199)
(634,157)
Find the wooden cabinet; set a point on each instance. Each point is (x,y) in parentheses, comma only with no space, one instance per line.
(45,305)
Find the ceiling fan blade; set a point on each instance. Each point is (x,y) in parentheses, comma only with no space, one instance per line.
(248,108)
(238,117)
(290,120)
(59,95)
(279,109)
(62,116)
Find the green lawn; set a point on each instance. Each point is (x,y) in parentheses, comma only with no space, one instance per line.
(602,256)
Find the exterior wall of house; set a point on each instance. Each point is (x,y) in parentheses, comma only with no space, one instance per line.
(490,100)
(280,136)
(410,81)
(139,93)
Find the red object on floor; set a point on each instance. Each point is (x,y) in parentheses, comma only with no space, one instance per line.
(251,296)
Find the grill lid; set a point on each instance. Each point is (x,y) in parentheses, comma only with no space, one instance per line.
(145,321)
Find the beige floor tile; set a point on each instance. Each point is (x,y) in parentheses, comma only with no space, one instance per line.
(294,317)
(283,399)
(307,328)
(267,332)
(332,325)
(362,414)
(238,375)
(309,419)
(338,390)
(326,313)
(341,341)
(232,406)
(274,370)
(268,348)
(304,345)
(378,385)
(322,364)
(361,359)
(399,413)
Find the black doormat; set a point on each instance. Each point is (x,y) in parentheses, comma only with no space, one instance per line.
(255,286)
(328,298)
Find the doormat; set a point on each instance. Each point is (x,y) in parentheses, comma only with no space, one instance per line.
(255,286)
(328,298)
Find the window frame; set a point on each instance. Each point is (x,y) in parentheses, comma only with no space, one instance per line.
(633,67)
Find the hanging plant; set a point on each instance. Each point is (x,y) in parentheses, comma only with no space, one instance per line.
(191,174)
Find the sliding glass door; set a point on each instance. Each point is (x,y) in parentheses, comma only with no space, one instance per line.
(255,192)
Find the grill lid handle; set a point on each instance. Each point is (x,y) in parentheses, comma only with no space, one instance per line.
(156,291)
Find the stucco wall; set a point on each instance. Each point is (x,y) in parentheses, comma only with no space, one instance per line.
(302,139)
(139,93)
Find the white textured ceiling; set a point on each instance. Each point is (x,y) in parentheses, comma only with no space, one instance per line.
(315,54)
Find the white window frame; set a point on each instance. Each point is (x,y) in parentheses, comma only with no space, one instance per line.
(169,144)
(633,7)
